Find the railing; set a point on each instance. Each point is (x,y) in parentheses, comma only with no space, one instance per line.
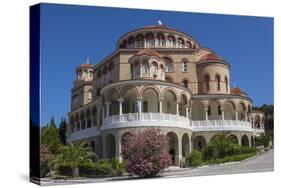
(84,133)
(145,119)
(223,125)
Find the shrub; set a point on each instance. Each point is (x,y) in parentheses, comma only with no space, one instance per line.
(194,158)
(146,153)
(244,150)
(64,170)
(102,168)
(118,168)
(230,158)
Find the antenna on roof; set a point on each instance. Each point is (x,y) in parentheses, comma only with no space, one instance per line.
(159,22)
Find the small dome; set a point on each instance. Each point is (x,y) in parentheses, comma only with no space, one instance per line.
(148,52)
(210,57)
(237,90)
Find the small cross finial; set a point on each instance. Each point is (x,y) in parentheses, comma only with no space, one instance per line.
(159,22)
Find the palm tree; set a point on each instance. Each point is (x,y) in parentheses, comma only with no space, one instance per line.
(224,144)
(264,139)
(74,155)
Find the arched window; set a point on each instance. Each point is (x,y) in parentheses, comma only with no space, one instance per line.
(168,65)
(150,40)
(171,41)
(185,83)
(131,42)
(145,106)
(219,110)
(145,68)
(207,82)
(140,41)
(180,43)
(188,44)
(161,40)
(218,80)
(154,68)
(226,84)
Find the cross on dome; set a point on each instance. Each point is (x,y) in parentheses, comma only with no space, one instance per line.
(159,22)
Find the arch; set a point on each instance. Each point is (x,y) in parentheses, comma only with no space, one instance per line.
(249,109)
(171,41)
(226,83)
(242,111)
(233,138)
(173,145)
(129,95)
(229,110)
(168,64)
(131,42)
(110,146)
(161,40)
(140,41)
(214,112)
(180,43)
(199,142)
(150,98)
(207,82)
(183,102)
(197,110)
(218,81)
(150,42)
(257,121)
(169,103)
(185,145)
(245,141)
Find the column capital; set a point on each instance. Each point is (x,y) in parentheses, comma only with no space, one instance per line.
(120,100)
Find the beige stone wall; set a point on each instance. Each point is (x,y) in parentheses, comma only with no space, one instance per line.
(213,69)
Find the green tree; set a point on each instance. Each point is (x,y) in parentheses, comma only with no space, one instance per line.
(62,131)
(74,156)
(50,137)
(263,139)
(221,145)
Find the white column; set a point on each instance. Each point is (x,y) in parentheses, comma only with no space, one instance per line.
(107,108)
(177,110)
(222,113)
(246,116)
(160,106)
(236,114)
(120,106)
(206,113)
(138,105)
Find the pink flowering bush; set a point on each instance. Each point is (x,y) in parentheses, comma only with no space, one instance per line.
(145,153)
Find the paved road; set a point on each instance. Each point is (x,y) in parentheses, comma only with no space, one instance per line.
(261,163)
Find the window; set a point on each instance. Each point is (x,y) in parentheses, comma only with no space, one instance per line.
(218,80)
(226,84)
(140,41)
(185,83)
(184,66)
(171,42)
(168,65)
(145,68)
(99,73)
(154,68)
(150,40)
(161,40)
(207,82)
(145,106)
(180,43)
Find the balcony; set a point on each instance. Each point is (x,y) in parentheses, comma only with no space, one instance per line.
(84,133)
(221,125)
(145,120)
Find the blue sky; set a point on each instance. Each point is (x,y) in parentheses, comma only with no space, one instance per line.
(70,34)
